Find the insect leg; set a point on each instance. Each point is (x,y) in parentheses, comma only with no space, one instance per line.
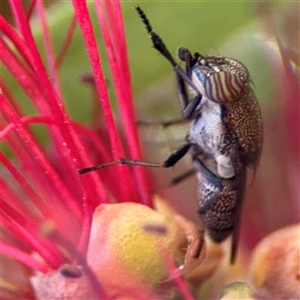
(188,107)
(169,162)
(188,112)
(184,54)
(176,155)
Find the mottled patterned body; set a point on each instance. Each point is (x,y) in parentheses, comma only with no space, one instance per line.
(243,121)
(219,206)
(226,137)
(220,203)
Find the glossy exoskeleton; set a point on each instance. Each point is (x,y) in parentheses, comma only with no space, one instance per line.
(225,136)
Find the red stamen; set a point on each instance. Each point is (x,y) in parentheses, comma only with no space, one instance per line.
(67,41)
(26,187)
(119,62)
(23,257)
(25,121)
(122,174)
(18,42)
(39,157)
(9,96)
(48,46)
(53,100)
(16,208)
(50,254)
(127,108)
(30,10)
(34,91)
(54,206)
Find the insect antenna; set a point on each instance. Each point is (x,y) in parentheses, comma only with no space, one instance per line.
(144,19)
(160,46)
(156,39)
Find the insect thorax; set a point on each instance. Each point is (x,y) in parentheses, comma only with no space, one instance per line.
(228,115)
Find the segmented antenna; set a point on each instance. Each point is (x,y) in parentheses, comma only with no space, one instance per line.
(160,46)
(156,39)
(144,18)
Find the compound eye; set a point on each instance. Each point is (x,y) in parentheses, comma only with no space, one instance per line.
(224,87)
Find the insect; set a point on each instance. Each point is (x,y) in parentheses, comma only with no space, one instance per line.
(225,136)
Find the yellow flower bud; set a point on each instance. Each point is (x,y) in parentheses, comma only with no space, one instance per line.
(129,243)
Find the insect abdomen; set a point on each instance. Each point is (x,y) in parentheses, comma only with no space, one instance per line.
(220,203)
(219,217)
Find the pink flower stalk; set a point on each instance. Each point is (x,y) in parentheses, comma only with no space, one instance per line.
(46,206)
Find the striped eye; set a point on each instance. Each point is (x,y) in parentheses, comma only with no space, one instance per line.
(224,87)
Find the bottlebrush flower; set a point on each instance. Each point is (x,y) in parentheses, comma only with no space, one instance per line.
(101,235)
(47,207)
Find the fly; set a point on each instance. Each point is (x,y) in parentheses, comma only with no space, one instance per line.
(225,137)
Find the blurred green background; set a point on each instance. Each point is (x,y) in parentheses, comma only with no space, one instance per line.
(215,27)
